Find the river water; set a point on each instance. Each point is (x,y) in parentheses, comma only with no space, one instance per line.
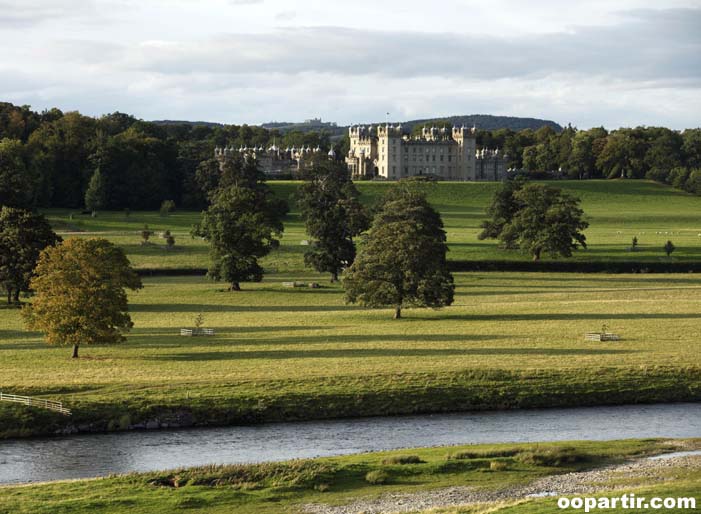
(93,455)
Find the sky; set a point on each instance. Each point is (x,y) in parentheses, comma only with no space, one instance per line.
(588,63)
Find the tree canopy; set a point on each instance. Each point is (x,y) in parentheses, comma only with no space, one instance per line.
(402,261)
(23,235)
(543,220)
(80,293)
(242,223)
(333,216)
(501,212)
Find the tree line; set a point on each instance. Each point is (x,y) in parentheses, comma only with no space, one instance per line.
(68,160)
(52,158)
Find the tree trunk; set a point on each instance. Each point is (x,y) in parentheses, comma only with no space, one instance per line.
(334,277)
(536,255)
(398,312)
(235,286)
(75,352)
(16,296)
(9,296)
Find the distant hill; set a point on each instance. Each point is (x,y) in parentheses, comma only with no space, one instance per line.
(489,122)
(185,122)
(481,121)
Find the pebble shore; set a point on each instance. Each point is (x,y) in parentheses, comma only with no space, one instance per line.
(583,482)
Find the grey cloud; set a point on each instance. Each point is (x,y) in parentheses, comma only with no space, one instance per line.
(20,14)
(647,45)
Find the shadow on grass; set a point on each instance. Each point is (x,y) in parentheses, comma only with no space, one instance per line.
(380,352)
(567,317)
(228,339)
(203,307)
(18,345)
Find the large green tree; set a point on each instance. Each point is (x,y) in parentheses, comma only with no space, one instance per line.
(501,211)
(242,224)
(403,259)
(548,221)
(333,216)
(23,235)
(80,293)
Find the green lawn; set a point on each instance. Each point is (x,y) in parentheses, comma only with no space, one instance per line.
(509,340)
(617,211)
(286,487)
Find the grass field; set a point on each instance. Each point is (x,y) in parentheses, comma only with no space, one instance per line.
(509,340)
(286,487)
(617,212)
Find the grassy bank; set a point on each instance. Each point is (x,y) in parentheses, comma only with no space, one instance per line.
(617,212)
(510,340)
(288,487)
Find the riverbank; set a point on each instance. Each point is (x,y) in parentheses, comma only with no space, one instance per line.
(419,478)
(340,397)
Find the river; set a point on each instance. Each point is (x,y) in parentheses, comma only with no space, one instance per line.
(93,455)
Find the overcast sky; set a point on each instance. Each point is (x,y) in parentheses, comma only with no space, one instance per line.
(589,63)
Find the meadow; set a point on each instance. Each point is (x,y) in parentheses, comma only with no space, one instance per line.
(509,340)
(289,486)
(616,210)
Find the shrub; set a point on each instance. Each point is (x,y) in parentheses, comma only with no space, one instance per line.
(497,465)
(552,457)
(170,242)
(377,477)
(403,459)
(489,454)
(146,233)
(167,207)
(668,248)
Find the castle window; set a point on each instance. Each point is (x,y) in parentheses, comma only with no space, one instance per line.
(406,170)
(450,158)
(394,170)
(441,157)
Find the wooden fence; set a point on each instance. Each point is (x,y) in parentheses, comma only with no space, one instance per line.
(35,402)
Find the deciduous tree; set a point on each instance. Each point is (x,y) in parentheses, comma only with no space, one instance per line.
(501,211)
(333,216)
(242,223)
(23,235)
(80,293)
(549,221)
(403,259)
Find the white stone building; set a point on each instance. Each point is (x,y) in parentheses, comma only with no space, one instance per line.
(385,152)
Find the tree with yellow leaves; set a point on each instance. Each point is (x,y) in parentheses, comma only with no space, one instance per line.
(80,293)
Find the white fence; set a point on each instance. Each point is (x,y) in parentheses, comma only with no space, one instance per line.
(35,402)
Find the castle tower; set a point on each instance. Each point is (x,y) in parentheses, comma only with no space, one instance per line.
(466,156)
(389,154)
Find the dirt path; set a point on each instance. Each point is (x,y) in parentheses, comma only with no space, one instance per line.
(584,482)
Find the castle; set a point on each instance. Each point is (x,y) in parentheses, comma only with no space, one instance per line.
(385,152)
(274,161)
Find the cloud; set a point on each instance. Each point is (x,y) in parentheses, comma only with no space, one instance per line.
(286,16)
(647,45)
(639,67)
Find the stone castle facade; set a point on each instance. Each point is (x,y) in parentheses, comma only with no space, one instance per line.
(274,161)
(386,153)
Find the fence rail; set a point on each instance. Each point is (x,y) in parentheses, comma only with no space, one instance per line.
(35,402)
